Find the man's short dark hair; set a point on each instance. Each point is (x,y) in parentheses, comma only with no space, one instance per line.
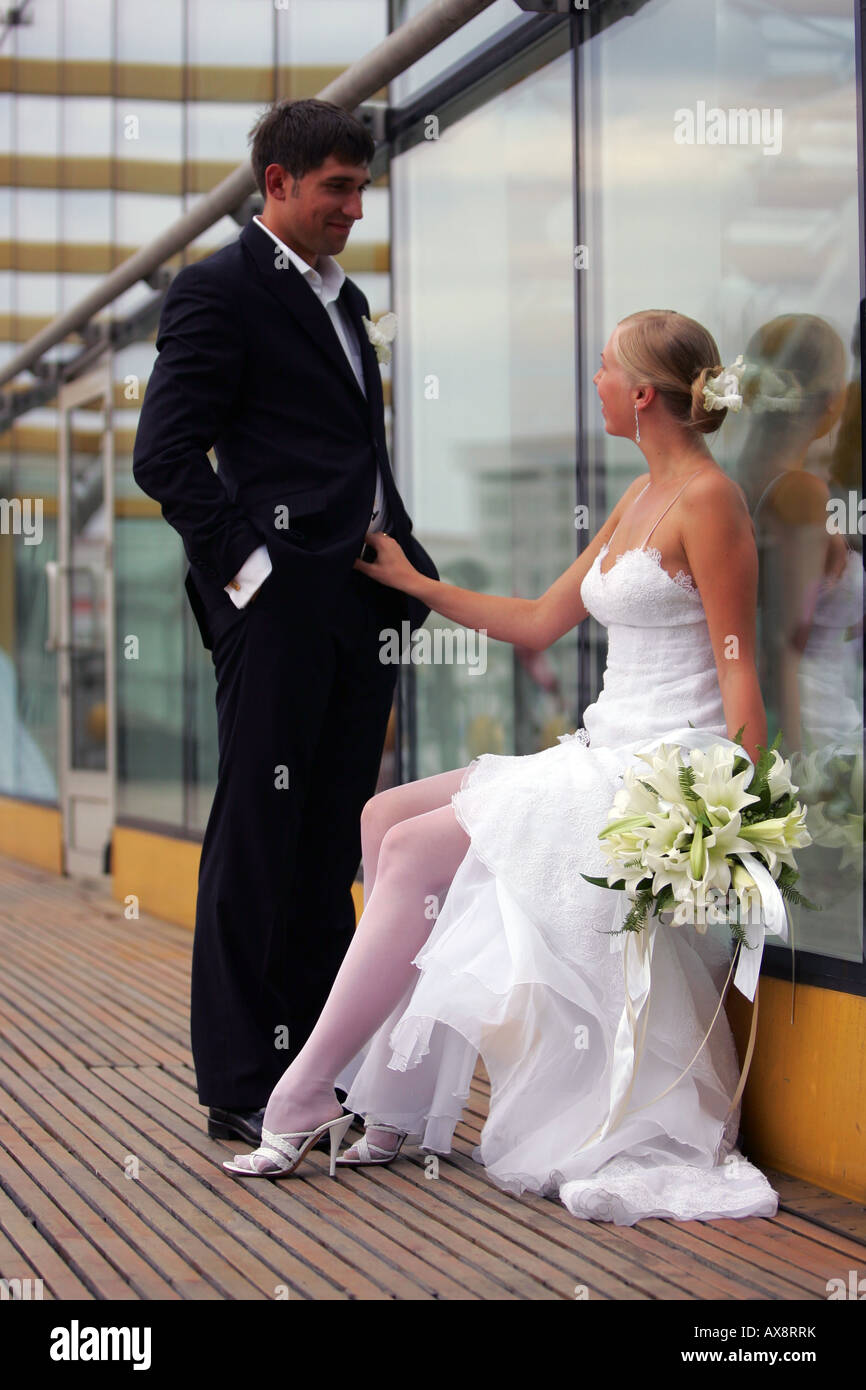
(300,135)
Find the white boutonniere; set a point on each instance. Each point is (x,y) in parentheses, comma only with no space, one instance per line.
(381,335)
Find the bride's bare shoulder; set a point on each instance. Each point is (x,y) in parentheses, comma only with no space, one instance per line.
(715,487)
(715,502)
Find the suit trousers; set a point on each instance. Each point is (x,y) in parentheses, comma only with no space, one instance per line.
(302,710)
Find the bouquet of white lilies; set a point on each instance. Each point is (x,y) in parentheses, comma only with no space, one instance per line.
(705,823)
(698,834)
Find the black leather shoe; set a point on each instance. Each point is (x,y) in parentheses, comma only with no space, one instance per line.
(235,1124)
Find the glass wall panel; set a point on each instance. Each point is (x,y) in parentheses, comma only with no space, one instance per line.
(718,171)
(87,125)
(350,29)
(152,130)
(37,124)
(88,28)
(150,603)
(484,26)
(222,33)
(484,381)
(151,33)
(142,216)
(28,673)
(43,36)
(218,130)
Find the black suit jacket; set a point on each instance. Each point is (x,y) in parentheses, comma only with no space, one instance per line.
(249,364)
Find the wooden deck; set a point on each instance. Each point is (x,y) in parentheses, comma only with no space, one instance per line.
(110,1188)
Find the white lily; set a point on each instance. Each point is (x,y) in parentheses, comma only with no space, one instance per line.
(666,853)
(663,774)
(779,777)
(775,839)
(717,786)
(632,798)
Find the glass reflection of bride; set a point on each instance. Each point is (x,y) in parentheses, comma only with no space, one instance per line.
(810,607)
(520,963)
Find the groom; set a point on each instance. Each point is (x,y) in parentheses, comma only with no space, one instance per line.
(264,357)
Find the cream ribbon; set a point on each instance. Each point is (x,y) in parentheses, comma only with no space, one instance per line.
(628,1048)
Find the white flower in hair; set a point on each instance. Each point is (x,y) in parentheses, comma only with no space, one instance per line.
(722,392)
(381,335)
(774,393)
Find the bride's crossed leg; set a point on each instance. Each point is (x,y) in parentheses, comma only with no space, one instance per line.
(411,845)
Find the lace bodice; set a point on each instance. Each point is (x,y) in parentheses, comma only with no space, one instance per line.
(661,669)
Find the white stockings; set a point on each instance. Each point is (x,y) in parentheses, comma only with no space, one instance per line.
(411,845)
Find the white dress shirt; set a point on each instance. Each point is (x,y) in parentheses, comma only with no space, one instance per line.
(326,281)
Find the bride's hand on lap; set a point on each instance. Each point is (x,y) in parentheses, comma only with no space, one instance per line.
(390,566)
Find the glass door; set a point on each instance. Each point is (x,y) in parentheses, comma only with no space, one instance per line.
(81,593)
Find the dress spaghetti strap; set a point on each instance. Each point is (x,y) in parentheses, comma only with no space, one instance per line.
(637,499)
(670,504)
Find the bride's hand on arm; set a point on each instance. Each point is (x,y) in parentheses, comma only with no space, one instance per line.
(391,566)
(525,622)
(507,619)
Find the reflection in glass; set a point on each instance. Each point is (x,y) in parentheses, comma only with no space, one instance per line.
(802,475)
(485,399)
(763,246)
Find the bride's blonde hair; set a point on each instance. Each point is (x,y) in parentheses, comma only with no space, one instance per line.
(676,355)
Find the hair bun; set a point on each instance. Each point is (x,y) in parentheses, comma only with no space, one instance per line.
(667,350)
(705,421)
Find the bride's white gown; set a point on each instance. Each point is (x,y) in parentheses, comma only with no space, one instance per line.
(519,965)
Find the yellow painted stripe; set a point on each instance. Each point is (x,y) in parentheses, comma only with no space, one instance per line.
(159,870)
(33,834)
(803,1107)
(122,175)
(162,872)
(165,81)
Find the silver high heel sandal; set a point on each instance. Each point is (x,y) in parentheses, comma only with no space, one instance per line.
(278,1149)
(365,1148)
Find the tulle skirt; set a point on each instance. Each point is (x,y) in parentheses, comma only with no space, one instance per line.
(521,967)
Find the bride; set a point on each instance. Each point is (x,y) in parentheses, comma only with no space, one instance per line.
(521,964)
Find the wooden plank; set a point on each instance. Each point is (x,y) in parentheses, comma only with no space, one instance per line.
(652,1269)
(95,1047)
(59,964)
(173,1253)
(826,1209)
(84,1035)
(757,1271)
(201,1160)
(38,1256)
(66,1222)
(235,1241)
(440,1272)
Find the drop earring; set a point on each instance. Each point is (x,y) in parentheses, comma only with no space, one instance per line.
(636,426)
